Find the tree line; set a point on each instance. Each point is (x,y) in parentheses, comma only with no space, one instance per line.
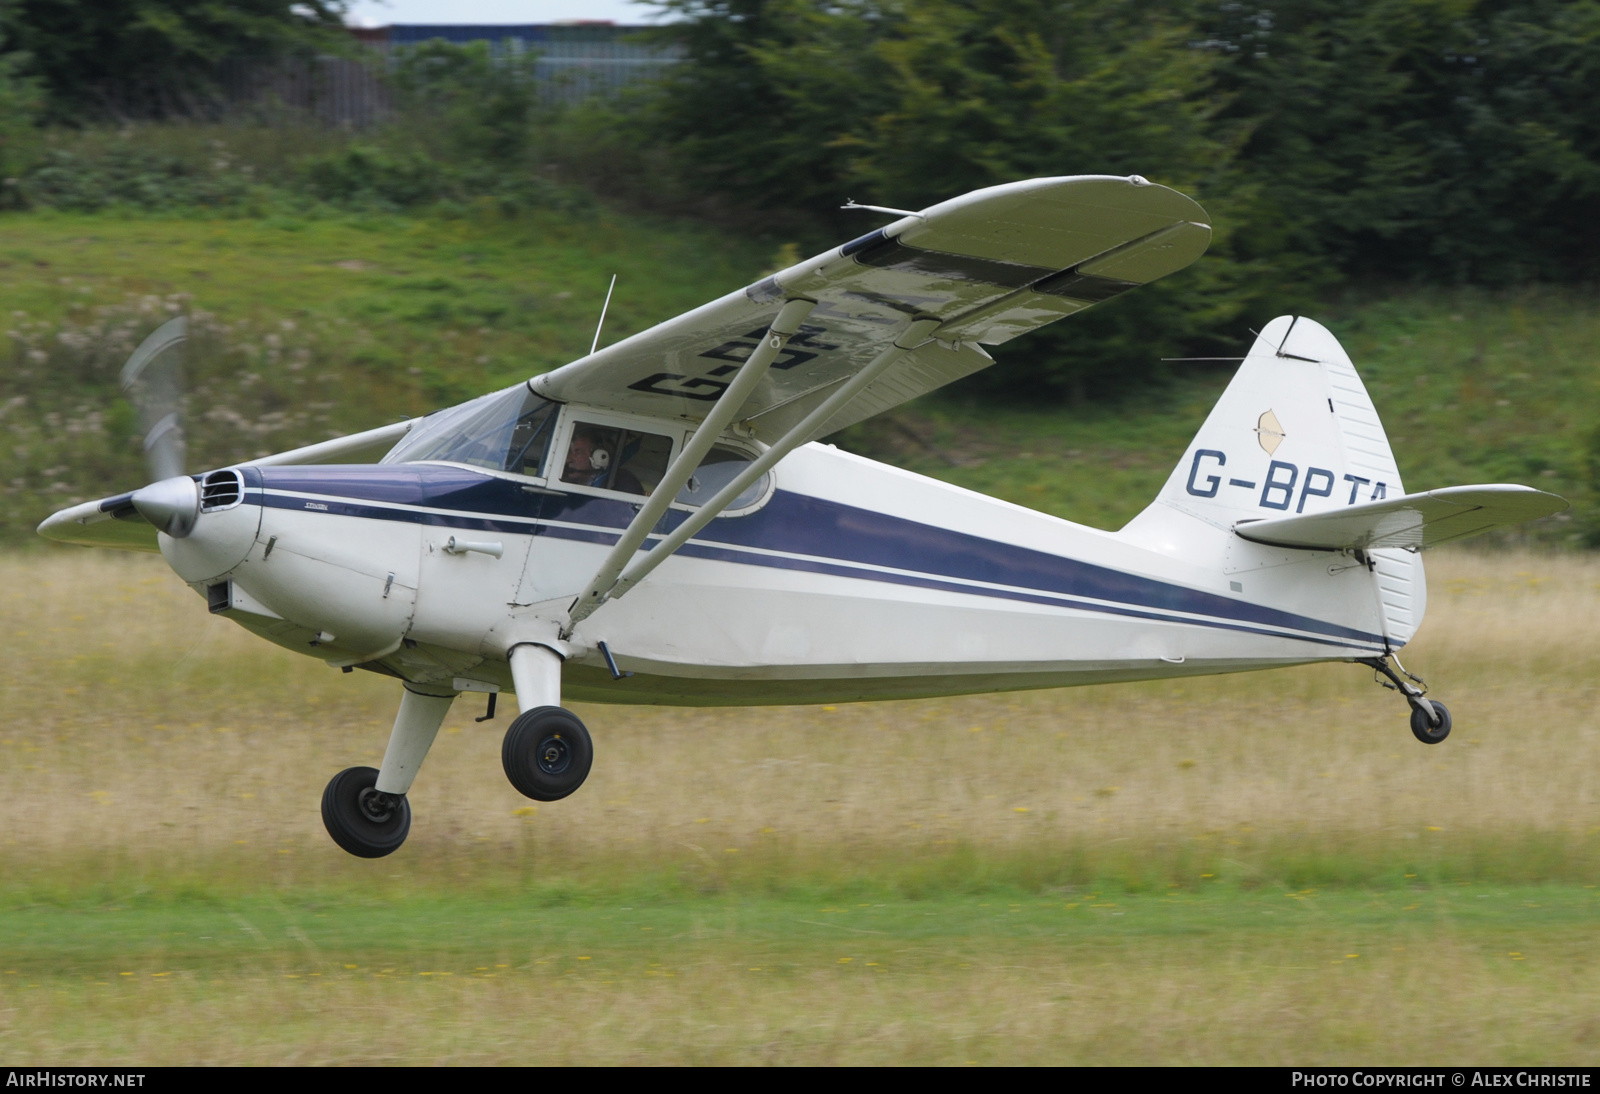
(1335,144)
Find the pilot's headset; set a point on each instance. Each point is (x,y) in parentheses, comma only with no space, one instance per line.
(599,459)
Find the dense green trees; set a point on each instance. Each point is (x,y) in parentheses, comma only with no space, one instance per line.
(1334,143)
(1450,140)
(1447,139)
(152,58)
(791,105)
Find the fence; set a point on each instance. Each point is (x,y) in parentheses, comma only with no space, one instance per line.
(570,63)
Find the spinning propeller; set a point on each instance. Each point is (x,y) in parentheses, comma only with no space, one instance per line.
(152,380)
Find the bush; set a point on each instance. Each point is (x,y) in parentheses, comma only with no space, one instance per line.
(363,176)
(121,59)
(135,176)
(20,102)
(462,104)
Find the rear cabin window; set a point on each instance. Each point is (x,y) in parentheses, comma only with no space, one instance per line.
(721,465)
(615,458)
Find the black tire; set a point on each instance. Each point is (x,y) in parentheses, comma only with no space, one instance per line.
(547,753)
(362,824)
(1430,734)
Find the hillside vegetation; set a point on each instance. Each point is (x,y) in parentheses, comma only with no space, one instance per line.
(308,326)
(321,323)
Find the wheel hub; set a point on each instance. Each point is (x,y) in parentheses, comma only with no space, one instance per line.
(554,755)
(377,806)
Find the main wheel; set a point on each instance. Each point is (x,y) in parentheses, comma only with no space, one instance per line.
(547,753)
(1430,734)
(362,819)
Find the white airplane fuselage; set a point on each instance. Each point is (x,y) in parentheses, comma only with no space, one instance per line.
(849,580)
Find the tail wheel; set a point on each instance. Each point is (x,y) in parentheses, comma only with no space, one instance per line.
(363,819)
(547,753)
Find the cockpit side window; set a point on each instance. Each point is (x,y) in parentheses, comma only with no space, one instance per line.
(615,458)
(506,431)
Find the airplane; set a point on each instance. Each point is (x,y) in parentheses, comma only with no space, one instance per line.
(658,523)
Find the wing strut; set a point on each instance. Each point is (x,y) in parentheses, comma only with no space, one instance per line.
(784,327)
(916,333)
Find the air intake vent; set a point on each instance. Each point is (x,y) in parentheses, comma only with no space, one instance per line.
(219,598)
(221,490)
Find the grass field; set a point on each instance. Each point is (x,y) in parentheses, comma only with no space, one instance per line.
(307,327)
(323,323)
(1261,868)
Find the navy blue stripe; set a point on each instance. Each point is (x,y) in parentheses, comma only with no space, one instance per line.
(791,523)
(407,516)
(695,550)
(800,524)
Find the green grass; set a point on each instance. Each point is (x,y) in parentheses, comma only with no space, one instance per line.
(324,322)
(120,921)
(470,302)
(129,975)
(309,326)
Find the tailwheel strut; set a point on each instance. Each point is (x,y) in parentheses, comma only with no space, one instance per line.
(1430,719)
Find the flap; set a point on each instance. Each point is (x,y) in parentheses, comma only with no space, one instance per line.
(1412,520)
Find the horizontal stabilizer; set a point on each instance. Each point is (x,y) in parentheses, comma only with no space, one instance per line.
(1412,520)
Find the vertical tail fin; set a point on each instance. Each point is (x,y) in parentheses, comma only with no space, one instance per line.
(1295,432)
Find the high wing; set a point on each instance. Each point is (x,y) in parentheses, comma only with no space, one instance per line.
(981,268)
(1414,520)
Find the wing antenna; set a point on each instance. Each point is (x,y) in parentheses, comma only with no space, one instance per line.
(853,204)
(603,308)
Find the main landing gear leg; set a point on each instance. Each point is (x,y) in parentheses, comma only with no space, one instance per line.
(547,751)
(365,809)
(1430,719)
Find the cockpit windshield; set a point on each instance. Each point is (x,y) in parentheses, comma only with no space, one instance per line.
(507,431)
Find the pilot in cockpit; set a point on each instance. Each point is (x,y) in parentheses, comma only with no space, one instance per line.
(589,459)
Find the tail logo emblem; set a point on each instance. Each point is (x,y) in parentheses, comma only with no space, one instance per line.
(1269,431)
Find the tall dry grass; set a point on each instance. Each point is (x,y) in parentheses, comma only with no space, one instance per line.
(139,726)
(160,772)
